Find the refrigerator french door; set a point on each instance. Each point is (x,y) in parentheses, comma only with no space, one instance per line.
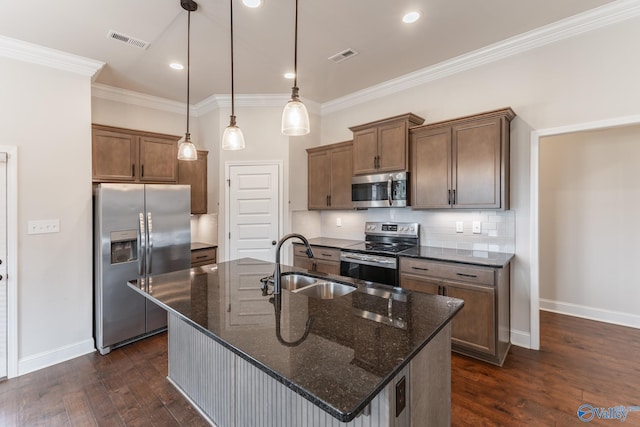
(139,230)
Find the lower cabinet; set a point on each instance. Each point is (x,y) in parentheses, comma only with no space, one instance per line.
(482,328)
(203,256)
(325,260)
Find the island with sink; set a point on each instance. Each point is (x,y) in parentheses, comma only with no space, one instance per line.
(325,351)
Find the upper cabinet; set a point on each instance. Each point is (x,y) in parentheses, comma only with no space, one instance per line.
(383,145)
(125,155)
(462,163)
(329,175)
(194,173)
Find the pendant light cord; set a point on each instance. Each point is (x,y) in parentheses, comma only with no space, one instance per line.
(232,88)
(188,63)
(295,52)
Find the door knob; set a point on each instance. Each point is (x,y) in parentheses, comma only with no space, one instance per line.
(1,277)
(273,242)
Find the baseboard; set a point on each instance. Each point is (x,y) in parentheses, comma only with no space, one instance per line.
(520,338)
(55,356)
(591,313)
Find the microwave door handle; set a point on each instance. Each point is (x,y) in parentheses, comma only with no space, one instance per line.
(389,191)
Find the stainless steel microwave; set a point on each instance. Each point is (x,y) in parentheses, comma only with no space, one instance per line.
(383,190)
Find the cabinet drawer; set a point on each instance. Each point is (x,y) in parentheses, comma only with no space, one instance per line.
(472,274)
(319,252)
(203,256)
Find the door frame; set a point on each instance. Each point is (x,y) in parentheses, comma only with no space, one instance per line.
(534,193)
(282,218)
(12,259)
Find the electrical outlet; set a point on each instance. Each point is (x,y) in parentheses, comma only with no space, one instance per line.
(477,228)
(43,226)
(459,227)
(401,395)
(338,222)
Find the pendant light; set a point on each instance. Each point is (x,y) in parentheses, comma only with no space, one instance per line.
(187,149)
(295,119)
(232,138)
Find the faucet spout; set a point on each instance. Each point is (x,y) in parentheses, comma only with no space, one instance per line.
(277,284)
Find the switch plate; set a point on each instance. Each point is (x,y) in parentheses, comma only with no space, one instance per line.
(338,222)
(477,228)
(43,226)
(459,227)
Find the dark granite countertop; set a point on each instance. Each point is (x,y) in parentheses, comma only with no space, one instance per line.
(329,242)
(356,343)
(482,258)
(199,245)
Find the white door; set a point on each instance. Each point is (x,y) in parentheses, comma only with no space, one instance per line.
(3,265)
(254,211)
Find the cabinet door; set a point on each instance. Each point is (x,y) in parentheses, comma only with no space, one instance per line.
(392,147)
(329,267)
(476,173)
(194,173)
(431,168)
(341,173)
(113,156)
(158,160)
(365,151)
(474,326)
(425,285)
(319,165)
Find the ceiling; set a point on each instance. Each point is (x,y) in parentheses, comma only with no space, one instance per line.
(386,47)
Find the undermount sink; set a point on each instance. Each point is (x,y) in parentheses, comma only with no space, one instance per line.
(314,287)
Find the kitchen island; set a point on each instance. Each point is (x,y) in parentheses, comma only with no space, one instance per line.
(378,356)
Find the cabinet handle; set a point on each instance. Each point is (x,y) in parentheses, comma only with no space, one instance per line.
(454,197)
(377,162)
(449,198)
(473,276)
(325,254)
(142,171)
(444,291)
(420,268)
(133,170)
(329,199)
(201,256)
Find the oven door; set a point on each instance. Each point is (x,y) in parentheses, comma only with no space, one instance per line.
(369,268)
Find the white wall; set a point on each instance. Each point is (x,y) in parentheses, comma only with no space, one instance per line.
(589,234)
(589,77)
(46,113)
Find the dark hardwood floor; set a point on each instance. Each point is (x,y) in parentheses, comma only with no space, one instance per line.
(580,361)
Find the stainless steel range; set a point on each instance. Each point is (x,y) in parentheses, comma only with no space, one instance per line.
(376,259)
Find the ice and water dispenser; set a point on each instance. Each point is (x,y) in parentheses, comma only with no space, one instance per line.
(124,246)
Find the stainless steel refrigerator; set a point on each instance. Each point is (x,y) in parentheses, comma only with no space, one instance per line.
(139,230)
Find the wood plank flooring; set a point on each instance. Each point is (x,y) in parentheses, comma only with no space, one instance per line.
(580,361)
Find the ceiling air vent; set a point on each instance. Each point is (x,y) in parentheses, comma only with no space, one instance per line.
(115,35)
(341,56)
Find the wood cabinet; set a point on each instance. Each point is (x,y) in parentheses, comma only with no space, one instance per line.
(382,146)
(125,155)
(482,328)
(325,260)
(329,169)
(462,163)
(194,173)
(203,256)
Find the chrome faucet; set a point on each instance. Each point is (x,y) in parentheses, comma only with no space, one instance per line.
(276,273)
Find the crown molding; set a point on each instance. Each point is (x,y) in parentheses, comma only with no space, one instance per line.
(35,54)
(251,100)
(603,16)
(125,96)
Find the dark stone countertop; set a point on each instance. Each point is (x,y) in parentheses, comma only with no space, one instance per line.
(199,245)
(329,242)
(482,258)
(345,360)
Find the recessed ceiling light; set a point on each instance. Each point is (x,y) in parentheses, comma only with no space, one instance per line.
(252,3)
(176,66)
(289,75)
(411,17)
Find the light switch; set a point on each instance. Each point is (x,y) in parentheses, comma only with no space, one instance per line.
(459,227)
(43,226)
(477,228)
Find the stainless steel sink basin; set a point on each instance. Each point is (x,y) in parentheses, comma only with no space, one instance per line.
(293,281)
(326,290)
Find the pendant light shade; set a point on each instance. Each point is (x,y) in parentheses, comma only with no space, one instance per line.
(187,149)
(295,118)
(232,138)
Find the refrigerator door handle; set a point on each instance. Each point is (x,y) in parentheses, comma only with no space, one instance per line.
(150,242)
(141,245)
